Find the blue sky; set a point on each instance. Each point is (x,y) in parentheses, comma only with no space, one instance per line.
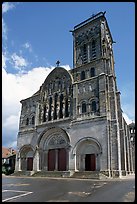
(36,35)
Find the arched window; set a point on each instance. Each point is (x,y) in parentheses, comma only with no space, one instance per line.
(44,114)
(93,49)
(94,106)
(55,105)
(84,107)
(66,108)
(84,54)
(61,106)
(82,75)
(50,103)
(33,120)
(92,72)
(27,121)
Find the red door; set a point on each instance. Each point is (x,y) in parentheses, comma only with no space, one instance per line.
(29,164)
(51,160)
(90,162)
(62,159)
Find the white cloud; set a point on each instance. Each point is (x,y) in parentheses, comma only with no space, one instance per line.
(7,6)
(28,46)
(16,87)
(128,99)
(18,61)
(11,121)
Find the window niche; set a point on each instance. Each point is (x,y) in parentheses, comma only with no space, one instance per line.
(33,120)
(93,49)
(92,72)
(84,107)
(82,76)
(93,106)
(27,121)
(50,105)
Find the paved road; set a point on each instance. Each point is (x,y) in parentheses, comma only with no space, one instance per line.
(28,189)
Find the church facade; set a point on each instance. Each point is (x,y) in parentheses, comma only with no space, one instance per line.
(74,122)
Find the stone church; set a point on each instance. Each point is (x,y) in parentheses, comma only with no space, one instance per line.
(74,122)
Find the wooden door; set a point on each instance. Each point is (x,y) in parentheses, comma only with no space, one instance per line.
(29,164)
(62,159)
(90,162)
(51,160)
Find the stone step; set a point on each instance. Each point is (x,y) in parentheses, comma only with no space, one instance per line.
(23,173)
(52,174)
(87,174)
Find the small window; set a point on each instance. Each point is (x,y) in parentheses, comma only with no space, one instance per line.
(93,49)
(131,131)
(27,121)
(92,72)
(93,44)
(82,75)
(33,120)
(94,106)
(84,108)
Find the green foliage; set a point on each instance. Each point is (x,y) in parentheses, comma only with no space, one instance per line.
(6,169)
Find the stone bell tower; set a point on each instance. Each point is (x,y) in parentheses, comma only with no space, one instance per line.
(95,93)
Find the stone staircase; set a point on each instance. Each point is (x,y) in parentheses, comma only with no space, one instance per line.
(89,175)
(23,173)
(62,174)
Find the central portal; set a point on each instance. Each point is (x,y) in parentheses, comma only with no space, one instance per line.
(57,159)
(90,162)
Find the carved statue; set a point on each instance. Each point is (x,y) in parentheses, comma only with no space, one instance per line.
(63,110)
(57,110)
(52,112)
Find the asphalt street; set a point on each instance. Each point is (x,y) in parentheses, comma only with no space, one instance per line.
(28,189)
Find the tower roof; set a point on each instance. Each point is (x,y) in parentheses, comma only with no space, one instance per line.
(89,20)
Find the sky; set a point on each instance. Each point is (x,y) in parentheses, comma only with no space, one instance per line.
(37,34)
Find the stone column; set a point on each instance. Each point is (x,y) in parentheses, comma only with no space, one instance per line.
(47,112)
(57,110)
(88,53)
(75,162)
(45,160)
(124,141)
(18,162)
(131,158)
(63,109)
(128,154)
(68,107)
(37,114)
(42,112)
(56,159)
(36,166)
(52,112)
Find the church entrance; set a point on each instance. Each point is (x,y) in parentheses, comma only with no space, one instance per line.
(29,164)
(57,159)
(90,162)
(51,160)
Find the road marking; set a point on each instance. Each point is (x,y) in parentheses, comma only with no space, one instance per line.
(79,193)
(58,201)
(14,191)
(24,194)
(17,184)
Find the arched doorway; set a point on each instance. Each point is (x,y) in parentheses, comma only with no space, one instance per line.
(26,158)
(90,162)
(54,145)
(87,153)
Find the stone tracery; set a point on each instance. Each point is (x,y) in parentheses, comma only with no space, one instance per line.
(56,96)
